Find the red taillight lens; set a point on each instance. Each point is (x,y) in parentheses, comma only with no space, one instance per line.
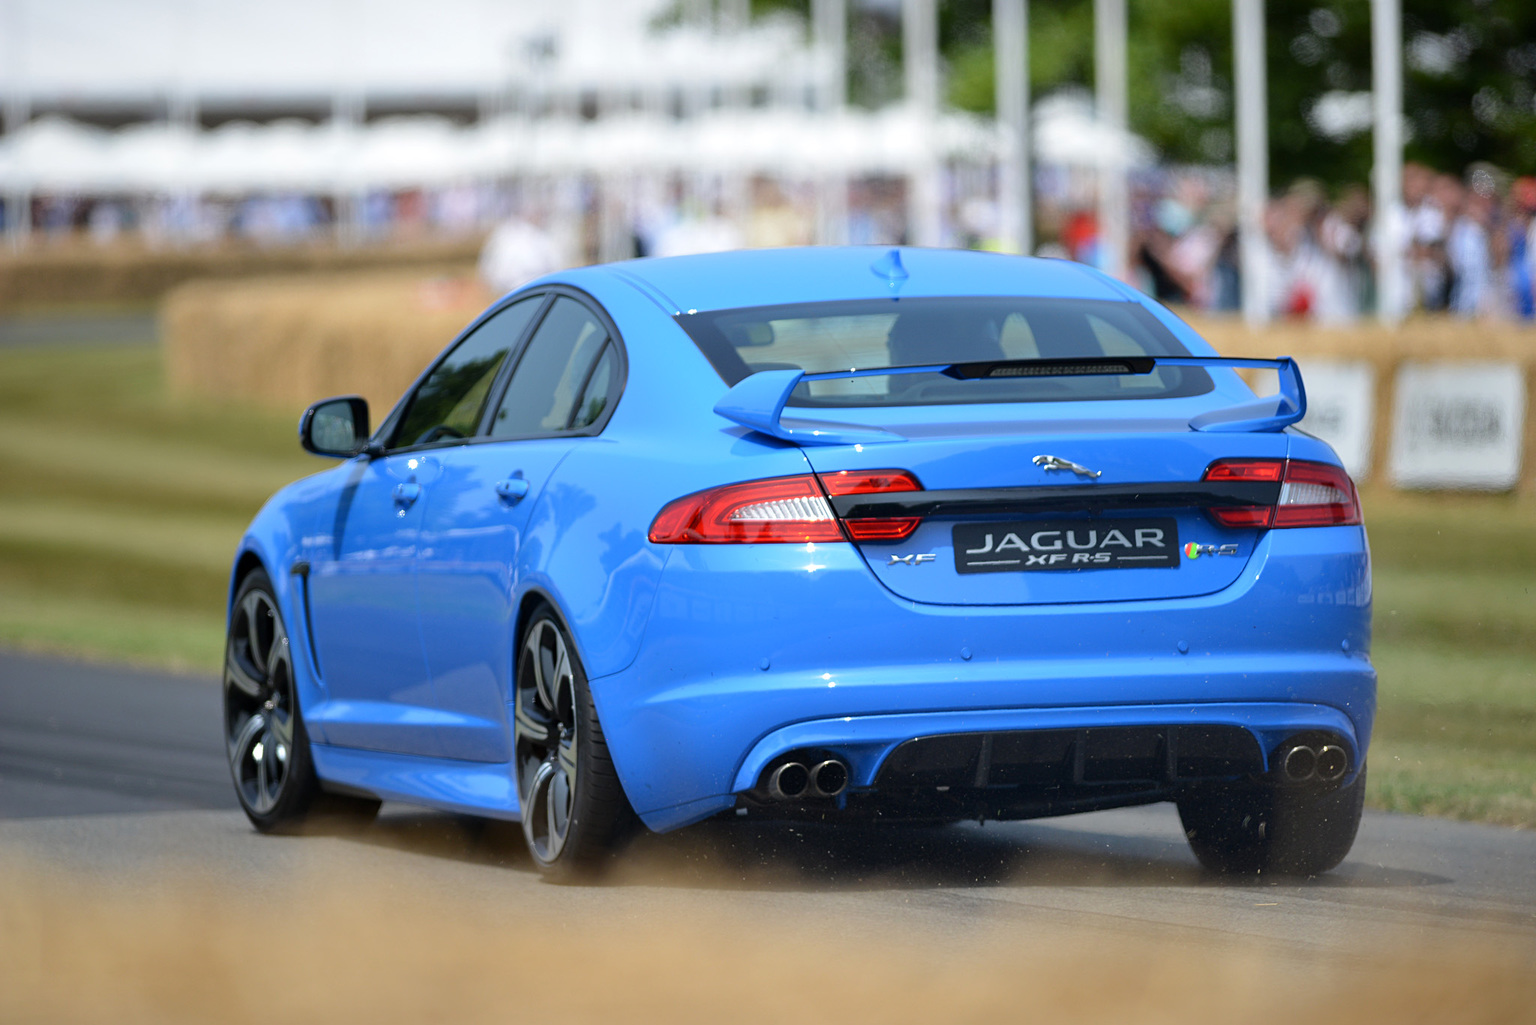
(867,482)
(864,482)
(1246,469)
(1254,470)
(1317,495)
(1311,494)
(781,510)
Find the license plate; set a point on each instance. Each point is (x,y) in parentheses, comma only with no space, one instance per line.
(1066,544)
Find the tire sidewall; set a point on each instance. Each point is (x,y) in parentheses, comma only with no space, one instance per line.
(593,828)
(300,785)
(1257,828)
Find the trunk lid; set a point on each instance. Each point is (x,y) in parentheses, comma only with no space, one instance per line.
(1001,527)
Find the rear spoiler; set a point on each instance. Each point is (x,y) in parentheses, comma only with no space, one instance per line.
(758,401)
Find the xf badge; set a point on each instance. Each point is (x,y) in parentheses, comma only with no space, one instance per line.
(912,560)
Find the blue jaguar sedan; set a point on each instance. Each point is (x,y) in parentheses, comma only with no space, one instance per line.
(841,534)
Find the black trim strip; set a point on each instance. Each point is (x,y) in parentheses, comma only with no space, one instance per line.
(1004,501)
(1086,367)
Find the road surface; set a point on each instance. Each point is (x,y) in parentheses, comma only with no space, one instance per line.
(118,772)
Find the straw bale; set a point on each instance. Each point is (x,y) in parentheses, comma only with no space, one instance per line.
(287,341)
(73,271)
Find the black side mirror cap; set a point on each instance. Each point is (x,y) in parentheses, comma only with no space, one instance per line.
(335,427)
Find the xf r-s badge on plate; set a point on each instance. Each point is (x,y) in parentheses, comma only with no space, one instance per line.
(1067,544)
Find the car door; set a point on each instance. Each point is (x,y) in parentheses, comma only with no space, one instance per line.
(477,517)
(363,593)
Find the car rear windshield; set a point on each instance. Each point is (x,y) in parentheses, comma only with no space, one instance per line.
(819,337)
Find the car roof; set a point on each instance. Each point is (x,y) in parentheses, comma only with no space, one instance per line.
(768,277)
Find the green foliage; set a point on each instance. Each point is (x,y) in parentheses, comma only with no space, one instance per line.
(1469,89)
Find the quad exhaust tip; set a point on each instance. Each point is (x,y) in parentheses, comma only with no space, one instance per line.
(789,781)
(1328,763)
(793,780)
(829,778)
(1332,762)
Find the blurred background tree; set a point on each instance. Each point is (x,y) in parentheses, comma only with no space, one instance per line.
(1469,89)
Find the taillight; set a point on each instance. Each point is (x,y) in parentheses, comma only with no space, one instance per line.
(780,510)
(1316,495)
(867,482)
(1311,494)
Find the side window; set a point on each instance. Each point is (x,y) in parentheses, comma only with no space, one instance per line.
(594,397)
(450,401)
(552,375)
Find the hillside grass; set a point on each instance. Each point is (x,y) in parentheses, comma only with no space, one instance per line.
(121,507)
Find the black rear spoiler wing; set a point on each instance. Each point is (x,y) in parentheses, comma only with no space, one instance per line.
(758,401)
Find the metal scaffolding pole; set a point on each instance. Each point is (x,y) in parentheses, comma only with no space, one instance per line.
(1109,77)
(1015,195)
(920,63)
(1252,156)
(830,28)
(1387,170)
(18,111)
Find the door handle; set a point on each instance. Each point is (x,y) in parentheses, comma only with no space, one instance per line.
(513,489)
(406,494)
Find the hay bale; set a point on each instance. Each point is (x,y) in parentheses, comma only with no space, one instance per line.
(287,341)
(71,272)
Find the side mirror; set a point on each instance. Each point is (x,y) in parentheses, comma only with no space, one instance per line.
(335,427)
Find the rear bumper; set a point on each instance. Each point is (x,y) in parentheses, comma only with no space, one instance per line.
(756,650)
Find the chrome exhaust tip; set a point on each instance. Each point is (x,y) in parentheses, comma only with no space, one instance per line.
(788,781)
(829,778)
(1299,763)
(1332,762)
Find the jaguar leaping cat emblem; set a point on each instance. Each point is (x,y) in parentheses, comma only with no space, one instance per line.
(1058,463)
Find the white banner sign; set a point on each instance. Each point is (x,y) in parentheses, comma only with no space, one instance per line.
(1458,425)
(1341,409)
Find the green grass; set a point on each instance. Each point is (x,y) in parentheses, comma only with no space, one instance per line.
(1455,648)
(120,509)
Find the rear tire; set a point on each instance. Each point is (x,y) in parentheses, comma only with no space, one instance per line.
(573,806)
(264,735)
(1248,829)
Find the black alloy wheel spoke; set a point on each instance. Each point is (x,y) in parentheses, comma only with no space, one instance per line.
(546,740)
(259,702)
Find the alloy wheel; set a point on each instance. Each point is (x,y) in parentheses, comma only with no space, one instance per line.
(545,730)
(259,703)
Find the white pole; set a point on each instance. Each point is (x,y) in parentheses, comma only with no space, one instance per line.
(1252,156)
(18,111)
(1015,196)
(1109,76)
(1387,170)
(920,63)
(830,40)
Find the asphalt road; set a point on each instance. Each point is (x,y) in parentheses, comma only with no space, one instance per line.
(118,772)
(54,329)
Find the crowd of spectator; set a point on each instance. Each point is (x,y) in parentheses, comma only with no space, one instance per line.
(1469,246)
(1468,242)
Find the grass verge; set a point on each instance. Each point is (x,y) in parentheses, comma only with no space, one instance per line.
(123,505)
